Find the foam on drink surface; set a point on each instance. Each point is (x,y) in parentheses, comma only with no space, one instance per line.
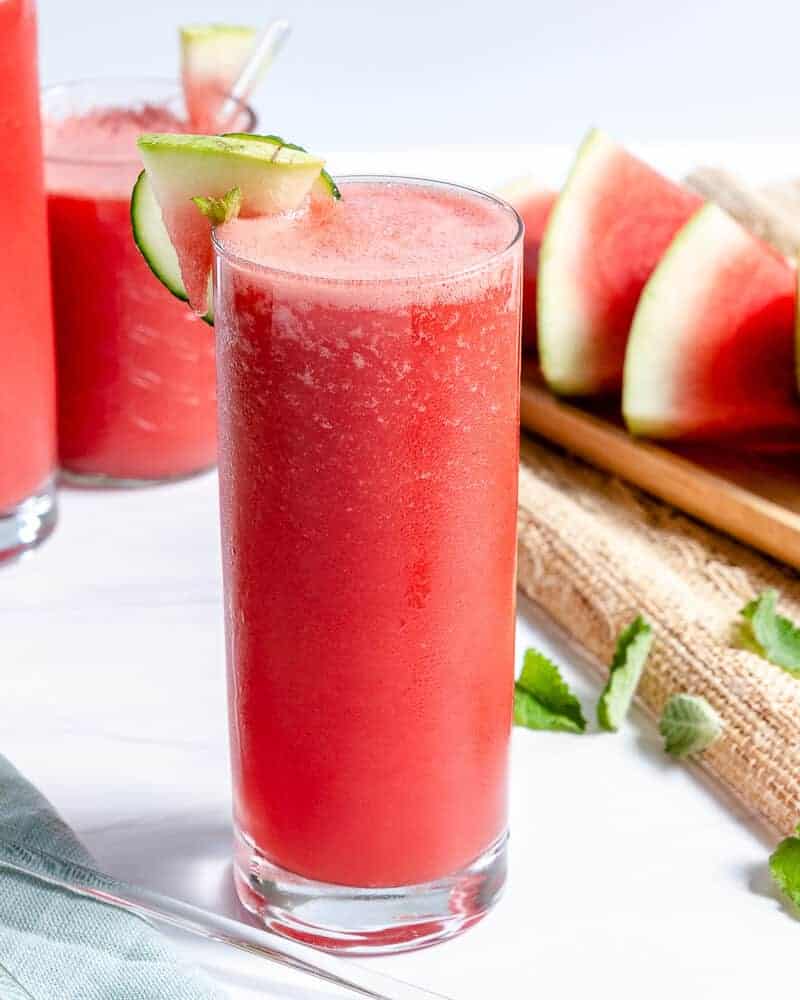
(379,231)
(95,151)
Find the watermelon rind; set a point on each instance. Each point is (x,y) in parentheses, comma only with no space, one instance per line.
(667,324)
(215,50)
(272,176)
(561,311)
(212,32)
(325,184)
(212,57)
(797,329)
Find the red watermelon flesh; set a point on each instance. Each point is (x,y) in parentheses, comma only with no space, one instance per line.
(534,202)
(212,56)
(607,231)
(711,354)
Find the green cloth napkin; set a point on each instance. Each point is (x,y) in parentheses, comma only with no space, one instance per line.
(56,946)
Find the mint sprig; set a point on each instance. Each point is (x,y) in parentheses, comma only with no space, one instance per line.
(784,866)
(220,210)
(630,656)
(771,635)
(543,700)
(688,724)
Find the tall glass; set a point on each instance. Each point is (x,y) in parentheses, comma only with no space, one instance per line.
(27,392)
(368,478)
(136,382)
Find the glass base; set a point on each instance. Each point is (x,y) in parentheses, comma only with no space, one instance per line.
(28,524)
(99,481)
(368,921)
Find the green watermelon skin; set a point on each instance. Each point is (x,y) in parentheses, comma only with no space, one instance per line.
(608,229)
(711,356)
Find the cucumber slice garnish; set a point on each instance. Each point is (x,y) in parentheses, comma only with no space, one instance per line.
(152,239)
(183,172)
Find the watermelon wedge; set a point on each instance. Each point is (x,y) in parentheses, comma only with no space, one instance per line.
(607,231)
(797,329)
(711,354)
(190,182)
(212,55)
(534,202)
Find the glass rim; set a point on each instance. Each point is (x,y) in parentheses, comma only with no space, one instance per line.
(426,278)
(120,159)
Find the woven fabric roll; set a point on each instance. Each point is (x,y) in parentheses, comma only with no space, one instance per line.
(594,552)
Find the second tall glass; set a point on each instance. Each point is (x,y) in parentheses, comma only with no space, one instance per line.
(136,383)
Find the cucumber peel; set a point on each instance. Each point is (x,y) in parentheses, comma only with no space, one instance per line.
(152,239)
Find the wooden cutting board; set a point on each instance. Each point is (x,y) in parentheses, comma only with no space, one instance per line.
(754,498)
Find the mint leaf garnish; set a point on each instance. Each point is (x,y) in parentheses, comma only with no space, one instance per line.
(542,699)
(784,866)
(771,635)
(630,656)
(219,210)
(688,724)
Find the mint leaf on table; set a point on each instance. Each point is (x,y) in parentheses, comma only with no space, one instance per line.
(630,656)
(542,699)
(784,866)
(771,635)
(688,724)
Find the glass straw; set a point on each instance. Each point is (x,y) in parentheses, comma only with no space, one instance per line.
(82,881)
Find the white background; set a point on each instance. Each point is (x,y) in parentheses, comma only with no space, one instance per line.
(364,73)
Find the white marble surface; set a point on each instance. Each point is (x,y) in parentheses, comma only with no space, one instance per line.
(627,871)
(629,874)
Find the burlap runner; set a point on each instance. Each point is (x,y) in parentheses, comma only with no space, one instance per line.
(594,552)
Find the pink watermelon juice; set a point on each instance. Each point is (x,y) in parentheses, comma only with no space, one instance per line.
(27,391)
(136,382)
(368,362)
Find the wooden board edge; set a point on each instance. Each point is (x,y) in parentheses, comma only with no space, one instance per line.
(711,498)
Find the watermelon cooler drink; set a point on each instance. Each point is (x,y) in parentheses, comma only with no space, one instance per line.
(368,372)
(136,383)
(27,391)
